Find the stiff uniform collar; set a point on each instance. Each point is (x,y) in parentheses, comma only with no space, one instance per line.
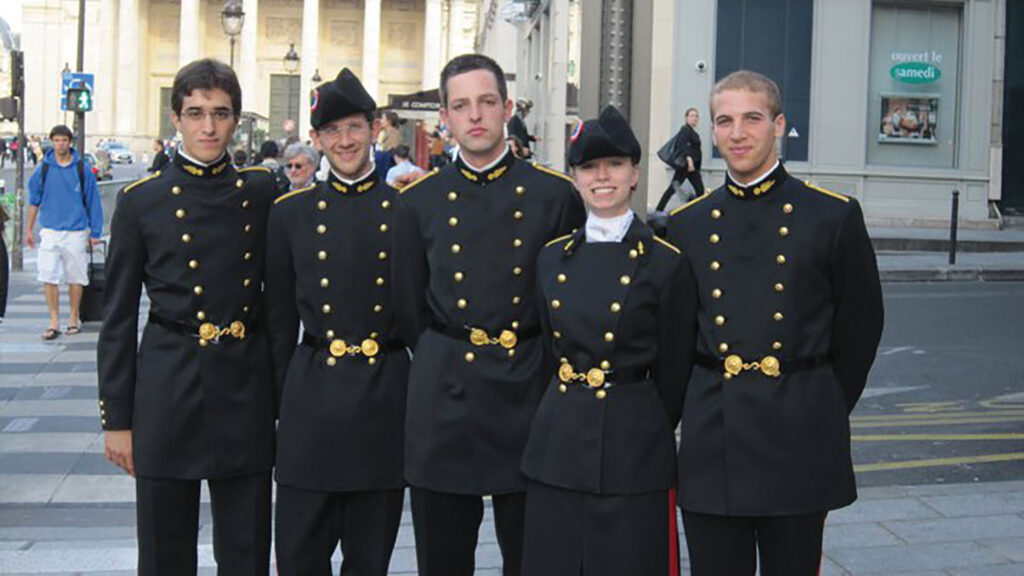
(612,229)
(368,181)
(639,237)
(200,169)
(760,186)
(493,171)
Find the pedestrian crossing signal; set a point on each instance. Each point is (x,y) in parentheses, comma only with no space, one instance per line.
(79,100)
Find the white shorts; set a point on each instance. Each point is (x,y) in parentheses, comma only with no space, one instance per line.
(62,256)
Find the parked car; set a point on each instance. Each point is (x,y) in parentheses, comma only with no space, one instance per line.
(119,153)
(100,162)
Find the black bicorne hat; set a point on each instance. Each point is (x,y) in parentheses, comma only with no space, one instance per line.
(341,97)
(607,135)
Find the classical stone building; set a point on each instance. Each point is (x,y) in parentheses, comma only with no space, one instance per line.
(134,47)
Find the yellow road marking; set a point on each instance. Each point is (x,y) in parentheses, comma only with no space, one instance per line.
(925,407)
(996,404)
(931,437)
(935,462)
(986,413)
(937,422)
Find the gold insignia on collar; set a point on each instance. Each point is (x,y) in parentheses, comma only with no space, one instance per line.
(497,173)
(193,170)
(764,187)
(640,246)
(365,186)
(218,169)
(340,188)
(469,175)
(737,191)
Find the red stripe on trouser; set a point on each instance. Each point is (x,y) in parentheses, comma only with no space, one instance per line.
(673,535)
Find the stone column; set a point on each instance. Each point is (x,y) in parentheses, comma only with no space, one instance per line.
(432,48)
(456,11)
(245,55)
(310,54)
(371,48)
(126,120)
(189,40)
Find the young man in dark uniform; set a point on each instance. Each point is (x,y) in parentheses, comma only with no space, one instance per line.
(195,400)
(465,249)
(342,391)
(790,319)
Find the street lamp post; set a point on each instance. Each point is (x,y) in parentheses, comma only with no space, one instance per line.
(291,60)
(232,18)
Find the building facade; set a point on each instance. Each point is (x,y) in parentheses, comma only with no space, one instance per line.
(134,48)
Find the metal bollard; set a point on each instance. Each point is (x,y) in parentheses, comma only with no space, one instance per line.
(953,221)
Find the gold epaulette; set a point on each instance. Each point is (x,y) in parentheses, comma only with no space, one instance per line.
(667,245)
(140,181)
(418,180)
(543,168)
(690,203)
(294,193)
(559,239)
(835,195)
(255,168)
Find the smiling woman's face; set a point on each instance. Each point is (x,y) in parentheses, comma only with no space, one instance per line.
(605,184)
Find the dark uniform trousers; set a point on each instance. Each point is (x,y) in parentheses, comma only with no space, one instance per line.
(465,250)
(197,392)
(341,393)
(789,323)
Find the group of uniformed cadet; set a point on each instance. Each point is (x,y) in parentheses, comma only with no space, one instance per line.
(496,329)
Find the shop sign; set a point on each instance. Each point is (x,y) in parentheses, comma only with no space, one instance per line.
(915,73)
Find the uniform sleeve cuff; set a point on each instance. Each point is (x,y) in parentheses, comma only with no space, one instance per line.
(115,414)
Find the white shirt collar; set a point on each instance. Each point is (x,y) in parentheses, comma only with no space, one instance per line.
(755,180)
(492,164)
(372,167)
(608,229)
(181,150)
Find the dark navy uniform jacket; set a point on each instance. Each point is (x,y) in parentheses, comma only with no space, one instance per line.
(628,310)
(342,403)
(198,406)
(465,253)
(787,277)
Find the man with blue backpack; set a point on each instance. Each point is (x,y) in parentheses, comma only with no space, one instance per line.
(64,196)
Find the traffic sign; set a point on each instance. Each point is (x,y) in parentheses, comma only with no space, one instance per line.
(78,80)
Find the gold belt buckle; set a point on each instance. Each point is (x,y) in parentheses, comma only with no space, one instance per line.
(208,331)
(769,366)
(237,329)
(369,347)
(595,377)
(508,339)
(338,348)
(566,373)
(479,337)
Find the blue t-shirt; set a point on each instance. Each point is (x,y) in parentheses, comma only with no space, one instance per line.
(60,204)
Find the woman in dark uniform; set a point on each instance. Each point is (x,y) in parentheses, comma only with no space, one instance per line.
(620,320)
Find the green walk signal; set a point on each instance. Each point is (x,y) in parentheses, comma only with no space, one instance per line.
(79,100)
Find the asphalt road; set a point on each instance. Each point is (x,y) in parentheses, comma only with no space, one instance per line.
(945,399)
(120,172)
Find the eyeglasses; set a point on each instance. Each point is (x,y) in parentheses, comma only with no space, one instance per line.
(337,131)
(193,115)
(294,166)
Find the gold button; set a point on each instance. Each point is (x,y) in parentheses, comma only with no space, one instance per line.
(716,265)
(382,255)
(197,290)
(515,324)
(320,228)
(329,334)
(716,293)
(561,278)
(609,337)
(456,248)
(716,213)
(326,308)
(781,259)
(331,361)
(453,221)
(246,282)
(383,228)
(179,213)
(563,360)
(783,231)
(453,196)
(714,238)
(459,276)
(615,307)
(777,316)
(723,347)
(624,280)
(245,204)
(200,315)
(563,388)
(556,304)
(556,334)
(719,320)
(511,352)
(321,205)
(245,309)
(776,345)
(606,365)
(202,343)
(247,256)
(461,303)
(516,300)
(470,356)
(248,228)
(371,361)
(520,190)
(380,280)
(378,308)
(193,264)
(518,214)
(325,282)
(517,270)
(787,208)
(322,255)
(176,190)
(186,238)
(779,287)
(633,254)
(239,183)
(601,394)
(517,243)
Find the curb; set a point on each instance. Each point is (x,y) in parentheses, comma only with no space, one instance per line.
(883,244)
(951,274)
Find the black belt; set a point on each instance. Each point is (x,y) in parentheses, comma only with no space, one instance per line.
(207,332)
(337,347)
(733,364)
(482,337)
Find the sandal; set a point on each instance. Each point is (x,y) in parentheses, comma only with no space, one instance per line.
(73,330)
(50,334)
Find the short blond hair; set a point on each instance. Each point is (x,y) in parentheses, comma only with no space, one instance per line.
(752,82)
